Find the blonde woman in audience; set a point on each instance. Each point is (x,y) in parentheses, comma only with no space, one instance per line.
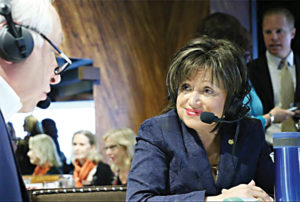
(88,166)
(42,153)
(119,147)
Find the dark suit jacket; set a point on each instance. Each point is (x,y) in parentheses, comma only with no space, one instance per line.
(261,79)
(12,187)
(170,163)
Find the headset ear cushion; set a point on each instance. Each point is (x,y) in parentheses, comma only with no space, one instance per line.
(237,109)
(15,49)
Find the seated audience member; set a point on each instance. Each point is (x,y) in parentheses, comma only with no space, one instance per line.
(42,153)
(49,127)
(33,127)
(119,147)
(225,26)
(180,157)
(88,168)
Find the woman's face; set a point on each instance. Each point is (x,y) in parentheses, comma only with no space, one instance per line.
(33,157)
(196,95)
(81,147)
(115,152)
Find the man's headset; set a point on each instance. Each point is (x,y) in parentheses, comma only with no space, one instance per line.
(16,43)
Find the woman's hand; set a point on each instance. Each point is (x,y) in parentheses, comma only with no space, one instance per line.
(243,191)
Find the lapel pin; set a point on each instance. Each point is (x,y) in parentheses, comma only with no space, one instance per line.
(230,141)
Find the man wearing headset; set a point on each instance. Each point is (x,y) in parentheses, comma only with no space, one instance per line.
(29,33)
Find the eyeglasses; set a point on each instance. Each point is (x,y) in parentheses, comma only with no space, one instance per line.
(111,147)
(61,68)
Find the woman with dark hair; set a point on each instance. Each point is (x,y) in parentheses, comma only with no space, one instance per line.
(180,157)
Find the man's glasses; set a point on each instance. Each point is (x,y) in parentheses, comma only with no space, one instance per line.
(61,68)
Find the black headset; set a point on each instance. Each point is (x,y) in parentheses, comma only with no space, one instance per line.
(238,108)
(16,42)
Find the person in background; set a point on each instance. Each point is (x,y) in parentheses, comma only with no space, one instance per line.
(268,73)
(43,154)
(29,29)
(180,157)
(12,132)
(225,26)
(119,147)
(49,128)
(33,127)
(88,166)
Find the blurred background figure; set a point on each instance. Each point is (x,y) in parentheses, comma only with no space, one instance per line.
(88,166)
(49,127)
(12,132)
(224,26)
(33,127)
(275,74)
(42,153)
(119,147)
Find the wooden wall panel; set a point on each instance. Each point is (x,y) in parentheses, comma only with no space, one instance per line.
(132,43)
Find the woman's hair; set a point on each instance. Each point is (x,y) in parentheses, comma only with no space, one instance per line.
(32,125)
(44,148)
(124,137)
(94,155)
(34,14)
(224,26)
(223,59)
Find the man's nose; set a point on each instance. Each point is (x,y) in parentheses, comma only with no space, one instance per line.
(274,35)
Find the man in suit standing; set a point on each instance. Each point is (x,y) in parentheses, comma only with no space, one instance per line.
(275,75)
(28,31)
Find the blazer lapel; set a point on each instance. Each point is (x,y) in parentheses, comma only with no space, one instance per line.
(228,163)
(197,160)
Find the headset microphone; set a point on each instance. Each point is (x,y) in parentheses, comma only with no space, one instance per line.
(44,104)
(208,117)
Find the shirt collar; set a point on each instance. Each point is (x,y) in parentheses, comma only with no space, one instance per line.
(276,60)
(12,103)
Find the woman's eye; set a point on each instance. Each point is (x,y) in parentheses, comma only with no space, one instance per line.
(208,91)
(185,87)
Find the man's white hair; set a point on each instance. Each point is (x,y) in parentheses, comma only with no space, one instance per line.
(35,14)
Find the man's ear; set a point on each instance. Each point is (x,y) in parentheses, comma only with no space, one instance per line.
(293,33)
(5,61)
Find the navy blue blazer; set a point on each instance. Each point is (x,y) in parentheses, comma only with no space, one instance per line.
(170,163)
(12,187)
(261,79)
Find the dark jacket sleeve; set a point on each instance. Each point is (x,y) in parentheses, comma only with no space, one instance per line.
(103,175)
(148,179)
(54,171)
